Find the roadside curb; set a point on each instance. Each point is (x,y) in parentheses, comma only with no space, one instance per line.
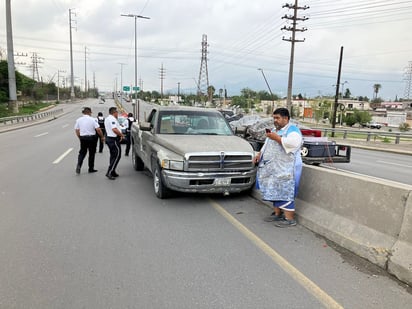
(29,123)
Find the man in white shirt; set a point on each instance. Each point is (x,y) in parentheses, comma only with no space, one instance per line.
(114,136)
(86,128)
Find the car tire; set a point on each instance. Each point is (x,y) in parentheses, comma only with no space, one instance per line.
(160,189)
(304,151)
(138,164)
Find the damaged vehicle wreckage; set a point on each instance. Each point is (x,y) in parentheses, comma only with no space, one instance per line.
(315,149)
(189,149)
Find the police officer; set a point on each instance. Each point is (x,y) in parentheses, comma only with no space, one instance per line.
(114,136)
(86,128)
(130,120)
(100,120)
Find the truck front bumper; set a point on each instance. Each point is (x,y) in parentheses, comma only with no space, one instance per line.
(210,182)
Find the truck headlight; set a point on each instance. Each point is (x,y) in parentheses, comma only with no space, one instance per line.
(172,165)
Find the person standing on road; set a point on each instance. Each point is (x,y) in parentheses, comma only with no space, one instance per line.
(100,120)
(130,120)
(86,128)
(280,168)
(113,138)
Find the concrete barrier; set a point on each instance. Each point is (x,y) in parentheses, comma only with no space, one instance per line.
(368,216)
(400,263)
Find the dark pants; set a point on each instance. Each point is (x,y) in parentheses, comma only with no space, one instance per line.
(87,143)
(101,144)
(128,142)
(115,153)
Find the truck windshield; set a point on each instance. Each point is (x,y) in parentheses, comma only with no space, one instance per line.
(192,123)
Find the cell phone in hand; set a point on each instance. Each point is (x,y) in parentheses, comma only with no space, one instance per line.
(268,130)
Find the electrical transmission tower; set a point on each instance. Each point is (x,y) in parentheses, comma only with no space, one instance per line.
(203,82)
(408,79)
(294,18)
(35,60)
(162,73)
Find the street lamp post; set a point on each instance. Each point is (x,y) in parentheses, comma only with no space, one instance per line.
(267,84)
(121,83)
(135,55)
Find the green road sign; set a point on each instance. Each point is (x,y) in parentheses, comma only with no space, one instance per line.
(136,88)
(126,88)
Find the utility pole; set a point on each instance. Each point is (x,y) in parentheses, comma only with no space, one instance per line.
(58,84)
(121,82)
(94,83)
(135,59)
(294,18)
(178,92)
(71,56)
(13,105)
(335,107)
(270,90)
(85,71)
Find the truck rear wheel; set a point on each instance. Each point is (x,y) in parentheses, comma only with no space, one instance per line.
(160,189)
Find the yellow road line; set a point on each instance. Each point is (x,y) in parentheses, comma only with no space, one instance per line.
(304,281)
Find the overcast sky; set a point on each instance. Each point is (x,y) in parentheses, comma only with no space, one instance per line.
(242,36)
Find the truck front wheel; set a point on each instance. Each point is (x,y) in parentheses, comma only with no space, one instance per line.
(160,189)
(137,162)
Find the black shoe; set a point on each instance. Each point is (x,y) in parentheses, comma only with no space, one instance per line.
(110,177)
(274,217)
(92,171)
(114,174)
(78,169)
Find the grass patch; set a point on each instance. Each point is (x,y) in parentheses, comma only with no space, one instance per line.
(27,109)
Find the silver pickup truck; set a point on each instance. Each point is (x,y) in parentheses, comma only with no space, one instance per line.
(192,150)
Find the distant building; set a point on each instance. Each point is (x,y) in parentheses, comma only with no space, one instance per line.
(397,105)
(354,104)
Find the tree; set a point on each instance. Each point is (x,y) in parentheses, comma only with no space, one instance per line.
(376,89)
(361,117)
(322,109)
(248,93)
(347,94)
(4,82)
(210,92)
(239,101)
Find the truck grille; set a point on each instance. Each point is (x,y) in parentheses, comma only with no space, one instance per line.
(219,162)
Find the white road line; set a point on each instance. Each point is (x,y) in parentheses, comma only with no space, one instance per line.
(42,134)
(62,156)
(65,126)
(391,163)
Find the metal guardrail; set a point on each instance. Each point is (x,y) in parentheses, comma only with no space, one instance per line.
(28,118)
(369,135)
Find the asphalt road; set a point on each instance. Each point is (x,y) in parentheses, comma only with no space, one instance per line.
(378,164)
(83,241)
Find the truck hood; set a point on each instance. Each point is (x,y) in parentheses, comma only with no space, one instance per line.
(182,144)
